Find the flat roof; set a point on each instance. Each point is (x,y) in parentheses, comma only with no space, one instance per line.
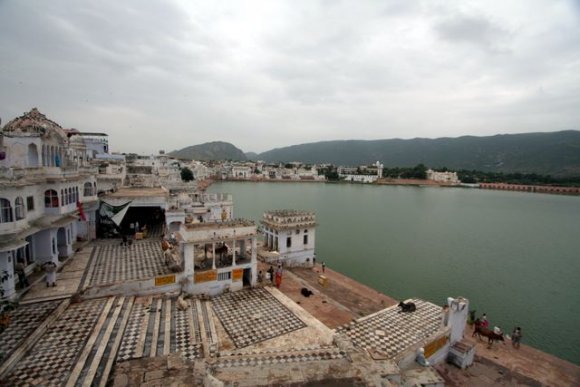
(391,332)
(135,192)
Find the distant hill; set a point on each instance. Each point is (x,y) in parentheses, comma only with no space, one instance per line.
(252,156)
(554,153)
(217,150)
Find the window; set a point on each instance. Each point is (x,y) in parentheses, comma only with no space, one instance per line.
(5,211)
(63,197)
(30,203)
(50,199)
(19,208)
(305,231)
(297,232)
(70,195)
(88,189)
(289,242)
(224,276)
(306,239)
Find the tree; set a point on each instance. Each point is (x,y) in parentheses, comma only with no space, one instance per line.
(186,174)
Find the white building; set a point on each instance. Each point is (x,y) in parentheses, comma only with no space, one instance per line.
(362,174)
(291,234)
(218,256)
(198,208)
(48,196)
(443,177)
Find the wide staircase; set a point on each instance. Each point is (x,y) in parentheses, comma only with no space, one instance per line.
(79,343)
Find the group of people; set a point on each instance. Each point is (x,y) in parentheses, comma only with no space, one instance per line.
(516,337)
(273,275)
(49,267)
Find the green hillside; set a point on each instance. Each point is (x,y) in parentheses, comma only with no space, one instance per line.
(216,150)
(554,153)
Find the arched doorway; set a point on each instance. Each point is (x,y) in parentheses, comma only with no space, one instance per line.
(61,242)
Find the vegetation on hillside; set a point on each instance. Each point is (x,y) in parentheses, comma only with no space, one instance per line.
(556,153)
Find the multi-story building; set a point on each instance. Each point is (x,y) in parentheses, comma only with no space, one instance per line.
(290,234)
(48,195)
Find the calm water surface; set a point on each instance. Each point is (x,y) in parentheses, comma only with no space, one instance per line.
(516,256)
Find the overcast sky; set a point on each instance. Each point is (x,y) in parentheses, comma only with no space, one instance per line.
(265,74)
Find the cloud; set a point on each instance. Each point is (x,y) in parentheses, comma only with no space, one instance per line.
(264,74)
(474,30)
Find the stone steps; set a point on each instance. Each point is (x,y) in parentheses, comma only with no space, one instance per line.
(281,356)
(156,327)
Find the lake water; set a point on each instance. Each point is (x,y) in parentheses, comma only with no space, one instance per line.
(515,256)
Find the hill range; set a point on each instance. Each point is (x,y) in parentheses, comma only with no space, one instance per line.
(552,153)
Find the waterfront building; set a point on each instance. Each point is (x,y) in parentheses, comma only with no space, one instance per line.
(218,257)
(290,236)
(48,194)
(361,174)
(443,177)
(244,171)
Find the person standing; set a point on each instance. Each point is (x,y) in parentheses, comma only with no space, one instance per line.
(22,279)
(50,268)
(271,272)
(279,276)
(323,266)
(516,337)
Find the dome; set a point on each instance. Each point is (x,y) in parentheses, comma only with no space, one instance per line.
(33,122)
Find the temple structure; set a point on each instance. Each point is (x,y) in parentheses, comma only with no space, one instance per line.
(290,236)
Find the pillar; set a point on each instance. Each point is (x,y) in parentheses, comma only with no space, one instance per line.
(213,255)
(254,261)
(234,253)
(458,311)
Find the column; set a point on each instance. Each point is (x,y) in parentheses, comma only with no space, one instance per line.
(188,259)
(254,261)
(234,253)
(213,255)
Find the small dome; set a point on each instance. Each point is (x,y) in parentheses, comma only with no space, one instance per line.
(33,122)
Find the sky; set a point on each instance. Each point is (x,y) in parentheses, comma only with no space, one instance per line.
(163,75)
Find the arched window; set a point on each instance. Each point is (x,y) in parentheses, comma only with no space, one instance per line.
(32,155)
(76,194)
(70,195)
(51,198)
(5,211)
(19,208)
(88,191)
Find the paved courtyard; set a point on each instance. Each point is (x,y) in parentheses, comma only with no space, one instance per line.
(391,331)
(252,316)
(114,263)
